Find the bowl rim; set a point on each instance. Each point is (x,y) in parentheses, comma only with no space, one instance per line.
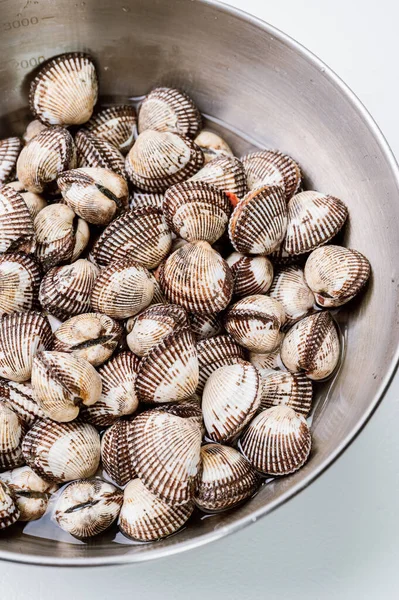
(221,532)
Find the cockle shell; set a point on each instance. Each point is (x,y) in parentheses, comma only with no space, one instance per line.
(336,274)
(169,371)
(117,452)
(288,389)
(62,382)
(66,290)
(91,336)
(259,221)
(19,283)
(140,235)
(214,353)
(65,90)
(312,345)
(313,219)
(166,451)
(32,129)
(205,326)
(11,435)
(122,289)
(289,287)
(141,200)
(267,362)
(93,151)
(146,518)
(88,507)
(9,512)
(271,167)
(32,493)
(188,409)
(61,452)
(148,328)
(252,274)
(227,174)
(226,478)
(255,322)
(231,397)
(116,125)
(95,194)
(9,152)
(44,158)
(161,159)
(16,225)
(277,441)
(60,236)
(168,109)
(212,145)
(22,335)
(281,258)
(198,278)
(34,202)
(195,210)
(19,397)
(118,397)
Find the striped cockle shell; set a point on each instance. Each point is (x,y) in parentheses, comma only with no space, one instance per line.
(271,167)
(212,145)
(19,283)
(60,236)
(231,397)
(9,152)
(148,328)
(313,219)
(122,289)
(62,452)
(117,452)
(195,210)
(267,362)
(93,151)
(19,397)
(65,90)
(227,174)
(188,409)
(288,389)
(166,455)
(140,235)
(118,397)
(61,383)
(32,493)
(205,326)
(312,346)
(12,432)
(146,518)
(255,322)
(91,336)
(214,353)
(169,371)
(141,200)
(22,335)
(198,278)
(44,158)
(259,221)
(116,125)
(88,507)
(168,109)
(252,274)
(34,202)
(65,291)
(9,511)
(226,478)
(277,441)
(16,224)
(95,194)
(32,129)
(161,159)
(281,258)
(289,287)
(336,274)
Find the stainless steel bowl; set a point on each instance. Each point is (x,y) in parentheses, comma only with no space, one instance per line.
(258,81)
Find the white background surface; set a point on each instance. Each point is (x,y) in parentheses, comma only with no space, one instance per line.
(339,539)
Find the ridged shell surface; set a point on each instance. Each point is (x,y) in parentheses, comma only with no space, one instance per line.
(252,274)
(226,173)
(32,493)
(205,326)
(32,129)
(141,200)
(19,283)
(11,435)
(34,202)
(267,362)
(93,151)
(116,125)
(214,353)
(288,389)
(19,397)
(271,167)
(16,225)
(188,409)
(9,152)
(168,109)
(212,145)
(117,452)
(9,512)
(289,287)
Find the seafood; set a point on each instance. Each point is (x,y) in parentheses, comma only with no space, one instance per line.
(167,109)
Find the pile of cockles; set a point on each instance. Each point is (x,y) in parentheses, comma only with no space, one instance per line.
(165,308)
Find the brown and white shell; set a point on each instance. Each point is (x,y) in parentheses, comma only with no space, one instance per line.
(65,291)
(22,335)
(214,353)
(277,441)
(166,451)
(289,287)
(9,511)
(88,507)
(16,225)
(160,159)
(93,151)
(146,518)
(231,397)
(259,221)
(117,453)
(44,158)
(19,283)
(32,493)
(313,219)
(32,129)
(168,109)
(34,202)
(140,200)
(205,326)
(61,452)
(336,274)
(116,125)
(95,194)
(255,322)
(19,397)
(65,90)
(91,336)
(198,278)
(267,362)
(226,478)
(9,152)
(272,167)
(212,145)
(252,274)
(11,434)
(187,409)
(288,389)
(227,174)
(312,346)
